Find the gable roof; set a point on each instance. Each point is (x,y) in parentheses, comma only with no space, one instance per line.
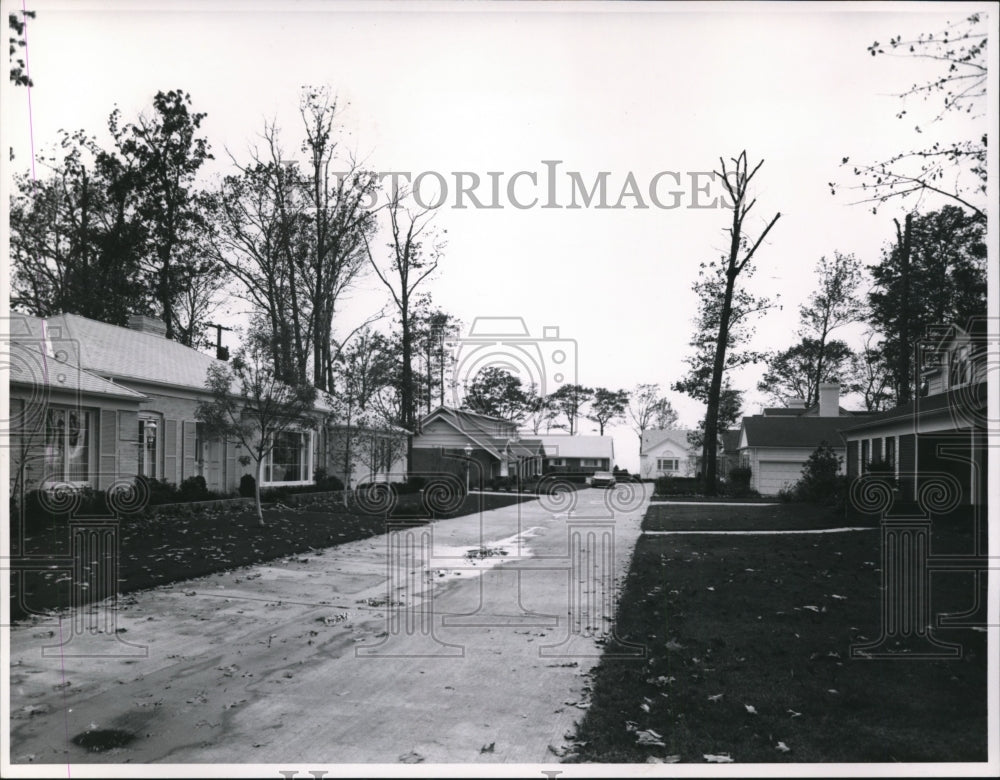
(806,432)
(566,446)
(31,366)
(655,437)
(111,350)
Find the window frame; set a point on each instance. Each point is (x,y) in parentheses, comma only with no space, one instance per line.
(267,466)
(66,466)
(674,460)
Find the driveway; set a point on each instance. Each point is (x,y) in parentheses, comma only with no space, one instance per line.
(464,640)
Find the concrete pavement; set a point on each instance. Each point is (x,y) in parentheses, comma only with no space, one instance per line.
(464,640)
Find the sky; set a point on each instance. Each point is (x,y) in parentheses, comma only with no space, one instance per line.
(633,90)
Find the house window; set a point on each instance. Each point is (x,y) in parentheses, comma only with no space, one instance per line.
(67,445)
(290,460)
(557,461)
(148,438)
(593,462)
(667,464)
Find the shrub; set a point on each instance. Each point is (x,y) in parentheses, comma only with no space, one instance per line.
(193,489)
(739,481)
(820,482)
(247,485)
(159,490)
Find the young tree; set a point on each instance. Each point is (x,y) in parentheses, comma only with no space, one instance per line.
(832,305)
(414,252)
(569,400)
(362,369)
(497,393)
(727,298)
(606,406)
(954,169)
(432,328)
(871,376)
(164,155)
(934,274)
(250,405)
(648,410)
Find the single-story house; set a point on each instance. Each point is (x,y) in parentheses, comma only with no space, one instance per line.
(93,402)
(941,436)
(448,439)
(567,454)
(667,453)
(775,445)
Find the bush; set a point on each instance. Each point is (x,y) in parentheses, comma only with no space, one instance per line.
(677,486)
(248,485)
(738,484)
(820,482)
(193,489)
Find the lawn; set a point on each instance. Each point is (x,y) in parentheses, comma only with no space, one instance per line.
(169,548)
(748,652)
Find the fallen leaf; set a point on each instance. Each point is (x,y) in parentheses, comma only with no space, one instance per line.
(782,747)
(664,760)
(795,714)
(716,697)
(720,759)
(751,709)
(487,748)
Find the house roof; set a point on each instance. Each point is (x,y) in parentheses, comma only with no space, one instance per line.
(653,438)
(31,366)
(799,431)
(112,350)
(566,446)
(968,397)
(731,440)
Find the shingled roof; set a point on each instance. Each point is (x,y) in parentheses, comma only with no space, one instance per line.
(31,366)
(793,431)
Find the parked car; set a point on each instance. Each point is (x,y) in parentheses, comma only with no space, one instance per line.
(602,479)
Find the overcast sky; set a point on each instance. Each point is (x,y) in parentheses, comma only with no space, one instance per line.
(627,89)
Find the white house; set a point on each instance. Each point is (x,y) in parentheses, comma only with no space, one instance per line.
(667,453)
(777,444)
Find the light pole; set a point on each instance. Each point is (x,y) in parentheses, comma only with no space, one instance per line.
(468,454)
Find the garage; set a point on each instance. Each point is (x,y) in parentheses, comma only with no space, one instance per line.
(773,475)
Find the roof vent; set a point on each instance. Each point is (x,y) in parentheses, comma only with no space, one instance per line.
(145,324)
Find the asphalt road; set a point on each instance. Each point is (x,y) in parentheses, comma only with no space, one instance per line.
(465,640)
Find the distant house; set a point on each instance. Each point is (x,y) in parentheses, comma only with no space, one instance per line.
(777,444)
(667,453)
(566,454)
(447,439)
(941,435)
(94,403)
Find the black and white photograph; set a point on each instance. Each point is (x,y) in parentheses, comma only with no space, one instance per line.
(499,388)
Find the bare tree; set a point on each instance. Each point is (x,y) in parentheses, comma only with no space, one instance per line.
(251,405)
(647,409)
(741,251)
(414,251)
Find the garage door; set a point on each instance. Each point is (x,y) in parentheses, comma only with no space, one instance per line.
(776,474)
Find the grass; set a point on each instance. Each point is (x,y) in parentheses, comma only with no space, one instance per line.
(747,517)
(768,622)
(170,548)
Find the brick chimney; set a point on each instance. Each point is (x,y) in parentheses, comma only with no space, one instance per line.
(145,324)
(829,399)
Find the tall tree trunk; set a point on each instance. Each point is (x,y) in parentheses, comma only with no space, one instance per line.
(256,492)
(709,448)
(903,393)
